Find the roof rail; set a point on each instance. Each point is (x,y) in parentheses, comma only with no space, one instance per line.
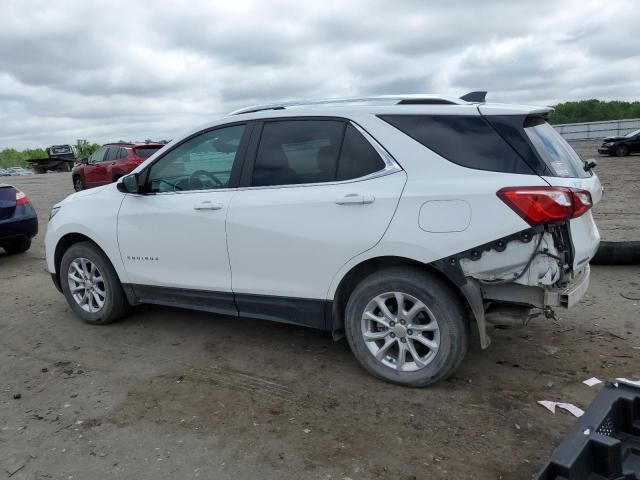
(380,99)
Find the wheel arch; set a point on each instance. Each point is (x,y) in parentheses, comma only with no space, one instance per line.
(367,267)
(65,242)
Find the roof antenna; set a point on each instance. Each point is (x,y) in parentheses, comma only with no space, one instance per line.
(475,97)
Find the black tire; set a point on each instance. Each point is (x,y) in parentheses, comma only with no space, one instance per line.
(78,183)
(115,304)
(18,245)
(617,253)
(621,151)
(447,310)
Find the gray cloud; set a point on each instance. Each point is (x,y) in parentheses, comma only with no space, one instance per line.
(136,70)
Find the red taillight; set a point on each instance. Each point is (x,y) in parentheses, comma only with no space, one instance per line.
(538,205)
(21,198)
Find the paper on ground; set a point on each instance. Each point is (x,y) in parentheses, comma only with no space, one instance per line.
(569,407)
(590,382)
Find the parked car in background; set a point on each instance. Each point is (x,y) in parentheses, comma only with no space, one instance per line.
(18,220)
(110,162)
(18,171)
(4,172)
(395,221)
(621,146)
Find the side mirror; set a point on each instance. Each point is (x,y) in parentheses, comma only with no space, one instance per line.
(129,184)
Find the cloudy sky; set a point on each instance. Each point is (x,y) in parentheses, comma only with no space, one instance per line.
(110,70)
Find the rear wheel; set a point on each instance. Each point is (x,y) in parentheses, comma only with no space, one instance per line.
(78,183)
(407,326)
(91,285)
(18,245)
(622,151)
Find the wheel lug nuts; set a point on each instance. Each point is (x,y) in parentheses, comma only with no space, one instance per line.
(393,335)
(403,340)
(392,323)
(409,332)
(402,322)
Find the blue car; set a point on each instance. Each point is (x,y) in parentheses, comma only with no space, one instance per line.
(18,220)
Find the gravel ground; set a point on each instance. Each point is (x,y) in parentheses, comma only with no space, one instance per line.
(169,393)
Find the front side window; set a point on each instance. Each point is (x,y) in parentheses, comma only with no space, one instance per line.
(293,152)
(98,156)
(201,163)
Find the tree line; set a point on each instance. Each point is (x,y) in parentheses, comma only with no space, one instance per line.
(594,111)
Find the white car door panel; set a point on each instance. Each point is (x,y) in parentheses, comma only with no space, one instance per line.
(176,239)
(290,241)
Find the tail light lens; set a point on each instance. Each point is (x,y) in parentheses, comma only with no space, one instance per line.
(539,205)
(21,198)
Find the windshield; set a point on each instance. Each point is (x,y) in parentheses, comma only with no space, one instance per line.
(554,150)
(632,134)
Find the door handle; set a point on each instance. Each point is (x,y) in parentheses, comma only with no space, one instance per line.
(208,206)
(355,199)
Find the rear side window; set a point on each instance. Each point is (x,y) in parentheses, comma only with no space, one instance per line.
(554,150)
(312,151)
(146,152)
(358,157)
(468,141)
(122,153)
(297,152)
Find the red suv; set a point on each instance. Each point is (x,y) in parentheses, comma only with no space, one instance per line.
(111,162)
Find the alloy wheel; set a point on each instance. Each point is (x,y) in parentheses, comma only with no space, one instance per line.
(400,331)
(86,285)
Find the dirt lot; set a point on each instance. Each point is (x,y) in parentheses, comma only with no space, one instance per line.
(176,394)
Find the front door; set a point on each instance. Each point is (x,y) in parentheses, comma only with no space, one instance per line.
(172,238)
(318,194)
(95,168)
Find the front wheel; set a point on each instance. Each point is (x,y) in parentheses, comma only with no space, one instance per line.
(78,184)
(91,285)
(407,326)
(622,151)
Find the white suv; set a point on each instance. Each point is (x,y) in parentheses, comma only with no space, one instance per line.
(399,221)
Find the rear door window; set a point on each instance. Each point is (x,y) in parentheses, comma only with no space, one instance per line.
(112,153)
(297,152)
(468,141)
(554,150)
(146,151)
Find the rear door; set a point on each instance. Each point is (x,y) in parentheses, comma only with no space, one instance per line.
(567,170)
(317,193)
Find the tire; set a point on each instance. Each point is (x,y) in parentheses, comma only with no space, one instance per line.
(443,307)
(115,304)
(617,253)
(18,245)
(78,183)
(621,151)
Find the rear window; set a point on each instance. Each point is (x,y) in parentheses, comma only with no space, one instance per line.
(468,141)
(146,152)
(554,150)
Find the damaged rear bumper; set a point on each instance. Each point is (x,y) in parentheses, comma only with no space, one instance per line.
(540,297)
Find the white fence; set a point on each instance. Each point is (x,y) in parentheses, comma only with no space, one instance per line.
(610,128)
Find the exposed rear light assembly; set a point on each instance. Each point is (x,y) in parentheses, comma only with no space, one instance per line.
(541,205)
(21,198)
